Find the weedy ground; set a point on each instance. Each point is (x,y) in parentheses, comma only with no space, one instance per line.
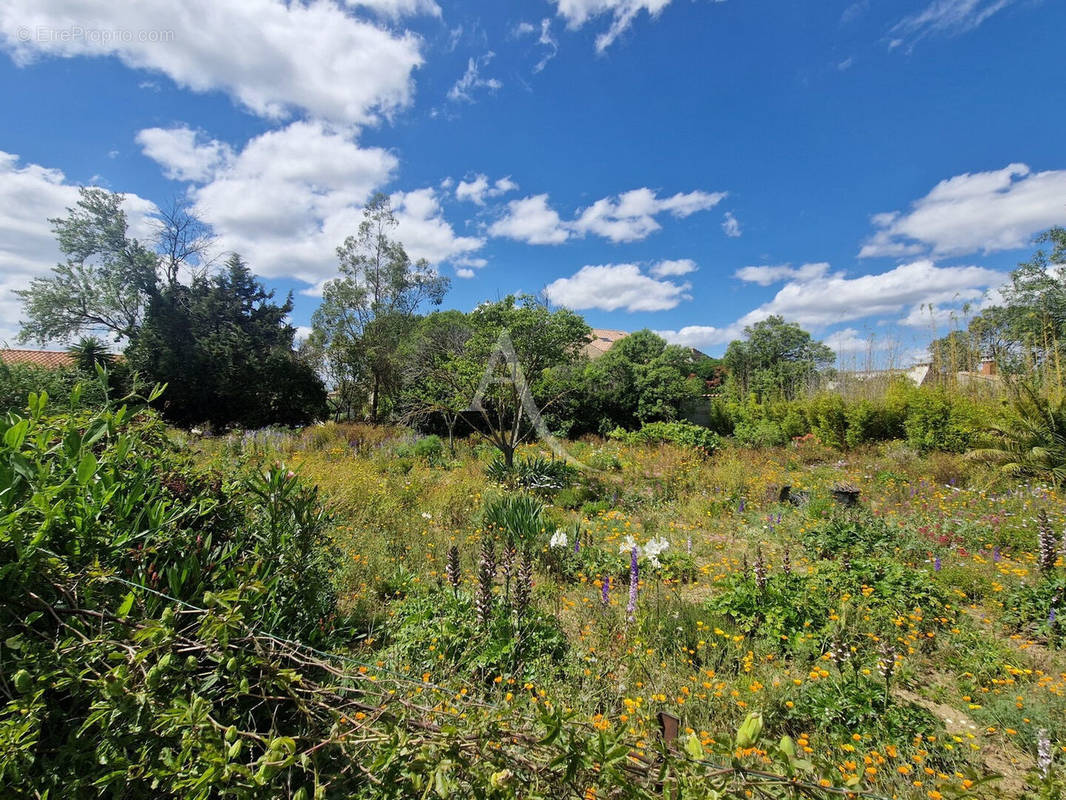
(909,645)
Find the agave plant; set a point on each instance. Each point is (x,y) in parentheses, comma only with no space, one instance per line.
(1031,440)
(519,517)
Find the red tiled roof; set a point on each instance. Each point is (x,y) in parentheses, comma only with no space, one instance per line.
(40,358)
(602,340)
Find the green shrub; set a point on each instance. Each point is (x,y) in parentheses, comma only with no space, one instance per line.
(828,416)
(536,473)
(683,434)
(1038,609)
(937,421)
(137,597)
(531,648)
(429,449)
(573,496)
(519,518)
(760,433)
(17,381)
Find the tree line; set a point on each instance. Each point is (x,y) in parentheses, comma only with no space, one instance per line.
(227,352)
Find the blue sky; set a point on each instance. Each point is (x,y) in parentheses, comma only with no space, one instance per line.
(690,166)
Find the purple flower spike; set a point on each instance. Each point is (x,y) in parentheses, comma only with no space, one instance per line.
(634,579)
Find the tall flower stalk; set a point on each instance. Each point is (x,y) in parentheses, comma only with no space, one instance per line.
(634,581)
(523,593)
(486,577)
(452,569)
(1048,545)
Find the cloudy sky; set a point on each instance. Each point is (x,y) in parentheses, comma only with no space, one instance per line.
(863,168)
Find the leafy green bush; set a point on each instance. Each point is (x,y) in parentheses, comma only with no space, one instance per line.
(1038,608)
(845,707)
(17,381)
(760,433)
(801,613)
(530,648)
(854,534)
(935,421)
(429,449)
(683,434)
(135,595)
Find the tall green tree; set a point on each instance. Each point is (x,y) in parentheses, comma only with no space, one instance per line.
(440,377)
(776,359)
(369,310)
(517,344)
(103,285)
(225,351)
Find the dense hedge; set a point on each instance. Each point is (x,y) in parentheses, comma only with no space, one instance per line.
(926,418)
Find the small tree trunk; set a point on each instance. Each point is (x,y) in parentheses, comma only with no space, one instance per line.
(451,434)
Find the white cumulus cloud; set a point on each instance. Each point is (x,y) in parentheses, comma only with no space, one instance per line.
(479,187)
(531,220)
(610,287)
(627,217)
(701,336)
(819,298)
(288,197)
(974,212)
(183,153)
(681,266)
(273,57)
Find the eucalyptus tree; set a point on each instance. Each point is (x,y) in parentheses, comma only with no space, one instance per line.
(370,309)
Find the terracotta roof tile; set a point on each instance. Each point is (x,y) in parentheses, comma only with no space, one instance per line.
(41,358)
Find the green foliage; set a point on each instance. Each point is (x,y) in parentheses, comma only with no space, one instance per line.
(66,387)
(124,687)
(429,449)
(1030,439)
(640,379)
(842,707)
(1038,608)
(369,310)
(778,359)
(534,473)
(225,352)
(105,281)
(528,648)
(519,518)
(852,534)
(683,434)
(937,422)
(803,614)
